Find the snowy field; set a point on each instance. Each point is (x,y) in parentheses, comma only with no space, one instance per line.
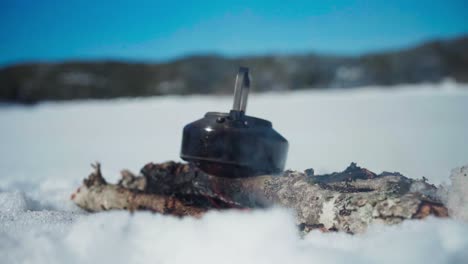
(45,152)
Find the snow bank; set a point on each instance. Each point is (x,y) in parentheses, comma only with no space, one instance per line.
(45,152)
(233,237)
(20,215)
(14,202)
(457,195)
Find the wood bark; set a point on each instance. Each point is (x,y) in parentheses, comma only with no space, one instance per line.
(344,201)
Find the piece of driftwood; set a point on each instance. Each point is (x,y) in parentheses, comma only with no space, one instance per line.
(346,201)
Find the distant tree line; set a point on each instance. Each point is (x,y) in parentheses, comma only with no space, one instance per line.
(35,82)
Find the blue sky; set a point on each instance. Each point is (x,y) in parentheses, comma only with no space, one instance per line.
(161,30)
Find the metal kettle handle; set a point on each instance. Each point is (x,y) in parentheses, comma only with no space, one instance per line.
(241,89)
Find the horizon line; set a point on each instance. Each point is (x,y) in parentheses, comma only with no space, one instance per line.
(188,55)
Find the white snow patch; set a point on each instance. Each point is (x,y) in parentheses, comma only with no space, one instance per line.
(457,195)
(418,130)
(12,202)
(234,237)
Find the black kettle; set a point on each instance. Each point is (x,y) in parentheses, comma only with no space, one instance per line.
(234,144)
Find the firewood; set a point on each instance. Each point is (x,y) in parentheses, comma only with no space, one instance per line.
(346,201)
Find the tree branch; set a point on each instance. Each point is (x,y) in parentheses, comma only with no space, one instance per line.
(347,201)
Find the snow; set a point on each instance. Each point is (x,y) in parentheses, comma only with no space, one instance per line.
(457,194)
(233,237)
(418,130)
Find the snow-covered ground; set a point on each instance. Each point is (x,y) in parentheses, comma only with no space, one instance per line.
(45,152)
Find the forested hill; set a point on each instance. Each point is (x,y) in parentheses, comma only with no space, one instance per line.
(429,62)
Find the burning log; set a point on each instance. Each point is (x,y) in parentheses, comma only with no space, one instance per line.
(346,201)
